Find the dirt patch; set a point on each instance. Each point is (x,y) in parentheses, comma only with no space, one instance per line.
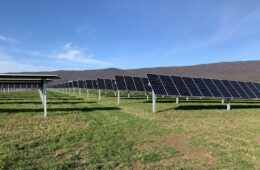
(197,153)
(176,141)
(257,139)
(179,142)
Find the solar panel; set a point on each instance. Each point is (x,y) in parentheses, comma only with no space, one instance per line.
(156,84)
(257,85)
(253,89)
(130,85)
(101,84)
(114,85)
(75,84)
(222,89)
(70,84)
(95,84)
(81,84)
(168,85)
(213,89)
(202,87)
(89,84)
(179,83)
(120,83)
(138,84)
(108,84)
(231,89)
(193,88)
(239,89)
(246,89)
(146,84)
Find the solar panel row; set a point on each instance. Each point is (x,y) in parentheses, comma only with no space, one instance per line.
(200,87)
(132,83)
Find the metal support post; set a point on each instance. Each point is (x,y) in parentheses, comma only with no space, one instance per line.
(118,97)
(99,94)
(177,100)
(154,102)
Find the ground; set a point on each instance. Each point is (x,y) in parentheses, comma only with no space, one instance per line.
(84,133)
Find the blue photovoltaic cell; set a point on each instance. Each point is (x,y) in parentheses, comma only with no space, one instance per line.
(169,86)
(101,84)
(70,84)
(156,84)
(202,86)
(138,84)
(146,84)
(231,89)
(246,89)
(180,85)
(120,82)
(130,85)
(253,89)
(109,85)
(239,89)
(213,89)
(225,93)
(194,90)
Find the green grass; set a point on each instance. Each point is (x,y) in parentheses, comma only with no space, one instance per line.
(84,133)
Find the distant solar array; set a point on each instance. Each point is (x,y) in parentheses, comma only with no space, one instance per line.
(132,83)
(202,87)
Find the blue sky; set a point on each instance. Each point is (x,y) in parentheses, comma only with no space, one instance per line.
(38,35)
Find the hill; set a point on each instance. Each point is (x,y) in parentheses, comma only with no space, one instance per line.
(240,70)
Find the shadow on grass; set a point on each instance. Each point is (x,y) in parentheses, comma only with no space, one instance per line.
(40,110)
(49,102)
(211,107)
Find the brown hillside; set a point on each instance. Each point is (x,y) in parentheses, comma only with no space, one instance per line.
(243,70)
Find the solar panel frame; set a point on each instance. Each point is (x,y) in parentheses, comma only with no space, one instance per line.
(114,85)
(89,84)
(138,84)
(212,87)
(192,87)
(169,86)
(181,86)
(222,89)
(253,89)
(147,85)
(120,82)
(108,83)
(257,85)
(156,84)
(239,89)
(248,91)
(231,89)
(130,85)
(95,84)
(101,84)
(202,87)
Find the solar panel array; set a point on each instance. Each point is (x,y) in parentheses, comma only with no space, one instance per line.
(202,87)
(132,83)
(20,85)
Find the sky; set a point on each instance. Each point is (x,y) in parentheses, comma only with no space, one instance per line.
(47,35)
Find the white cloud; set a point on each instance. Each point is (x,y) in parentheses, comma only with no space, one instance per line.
(79,56)
(6,39)
(9,65)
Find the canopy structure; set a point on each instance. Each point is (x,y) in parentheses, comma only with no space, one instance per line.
(17,80)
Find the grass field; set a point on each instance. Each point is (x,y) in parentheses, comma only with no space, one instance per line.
(84,133)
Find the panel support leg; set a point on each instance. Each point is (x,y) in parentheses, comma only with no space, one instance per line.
(223,101)
(187,98)
(118,97)
(177,100)
(147,97)
(41,96)
(44,96)
(128,95)
(228,104)
(79,91)
(87,93)
(99,94)
(154,102)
